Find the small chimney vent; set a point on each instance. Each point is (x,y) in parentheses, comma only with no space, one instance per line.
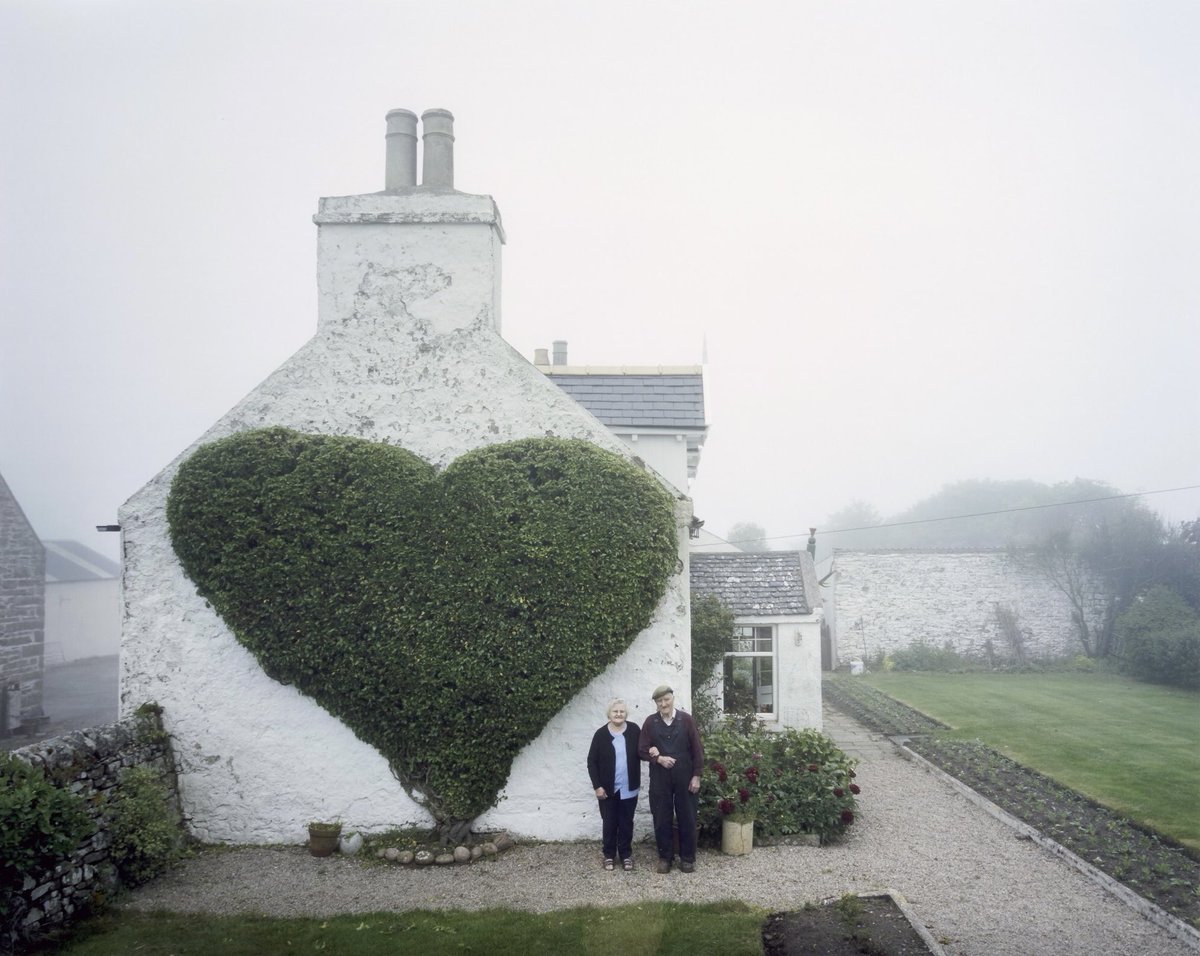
(401,171)
(560,352)
(541,357)
(438,139)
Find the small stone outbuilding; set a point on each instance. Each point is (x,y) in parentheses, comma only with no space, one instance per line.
(22,616)
(775,665)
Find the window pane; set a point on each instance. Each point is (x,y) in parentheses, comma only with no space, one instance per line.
(749,639)
(749,685)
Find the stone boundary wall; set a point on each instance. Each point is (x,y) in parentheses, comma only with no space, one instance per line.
(889,600)
(88,763)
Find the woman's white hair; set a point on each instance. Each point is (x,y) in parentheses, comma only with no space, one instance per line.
(613,703)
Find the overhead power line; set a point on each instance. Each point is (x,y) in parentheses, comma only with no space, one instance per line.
(976,514)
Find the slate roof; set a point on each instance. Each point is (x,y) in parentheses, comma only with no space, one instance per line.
(770,583)
(638,398)
(72,561)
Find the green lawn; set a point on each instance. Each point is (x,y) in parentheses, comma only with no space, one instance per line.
(647,929)
(1131,746)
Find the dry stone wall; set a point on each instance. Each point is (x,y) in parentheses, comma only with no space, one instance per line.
(889,600)
(89,763)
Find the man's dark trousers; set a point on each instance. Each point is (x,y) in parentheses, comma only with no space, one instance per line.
(670,802)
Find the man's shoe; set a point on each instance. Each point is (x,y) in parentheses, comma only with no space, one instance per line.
(664,866)
(687,866)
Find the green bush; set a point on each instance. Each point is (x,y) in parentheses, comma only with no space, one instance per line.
(1159,639)
(790,781)
(40,824)
(145,834)
(444,618)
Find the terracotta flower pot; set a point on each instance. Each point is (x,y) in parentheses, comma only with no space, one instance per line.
(323,838)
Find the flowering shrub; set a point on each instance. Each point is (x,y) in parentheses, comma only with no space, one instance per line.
(791,781)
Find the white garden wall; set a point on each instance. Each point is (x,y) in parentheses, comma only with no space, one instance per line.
(888,600)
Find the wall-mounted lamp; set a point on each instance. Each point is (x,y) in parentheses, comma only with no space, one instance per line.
(108,527)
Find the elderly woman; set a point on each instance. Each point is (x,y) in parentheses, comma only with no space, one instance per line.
(616,774)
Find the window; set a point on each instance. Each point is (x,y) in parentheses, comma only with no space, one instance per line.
(750,671)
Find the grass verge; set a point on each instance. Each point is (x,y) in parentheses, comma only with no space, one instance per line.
(648,929)
(1130,746)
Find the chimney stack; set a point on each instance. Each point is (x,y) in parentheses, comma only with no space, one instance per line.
(438,139)
(374,249)
(560,352)
(401,171)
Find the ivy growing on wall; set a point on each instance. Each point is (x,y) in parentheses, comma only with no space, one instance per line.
(39,824)
(445,618)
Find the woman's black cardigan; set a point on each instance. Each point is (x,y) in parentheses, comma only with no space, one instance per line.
(602,759)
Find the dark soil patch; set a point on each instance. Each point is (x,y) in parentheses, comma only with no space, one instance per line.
(850,927)
(1148,863)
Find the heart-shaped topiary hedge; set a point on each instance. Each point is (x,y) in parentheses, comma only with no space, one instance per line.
(444,618)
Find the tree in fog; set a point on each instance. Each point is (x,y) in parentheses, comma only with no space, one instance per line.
(748,536)
(851,528)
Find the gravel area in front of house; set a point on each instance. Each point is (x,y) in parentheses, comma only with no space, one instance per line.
(978,887)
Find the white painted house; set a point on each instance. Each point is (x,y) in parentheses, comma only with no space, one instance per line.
(83,603)
(658,411)
(407,351)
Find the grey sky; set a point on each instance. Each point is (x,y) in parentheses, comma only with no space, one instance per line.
(924,241)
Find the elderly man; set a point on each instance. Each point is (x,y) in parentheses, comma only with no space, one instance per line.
(670,741)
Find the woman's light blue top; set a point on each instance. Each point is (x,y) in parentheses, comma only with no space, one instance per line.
(622,780)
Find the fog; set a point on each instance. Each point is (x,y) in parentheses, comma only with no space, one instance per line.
(917,243)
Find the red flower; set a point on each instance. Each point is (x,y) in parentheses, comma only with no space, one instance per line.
(839,792)
(813,768)
(725,806)
(718,766)
(744,795)
(855,788)
(847,816)
(752,774)
(721,775)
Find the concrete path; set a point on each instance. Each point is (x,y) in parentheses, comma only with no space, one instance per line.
(1016,901)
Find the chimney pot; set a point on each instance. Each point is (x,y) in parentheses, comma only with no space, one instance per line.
(560,352)
(401,139)
(438,139)
(541,357)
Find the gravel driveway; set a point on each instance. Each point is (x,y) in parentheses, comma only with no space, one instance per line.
(980,889)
